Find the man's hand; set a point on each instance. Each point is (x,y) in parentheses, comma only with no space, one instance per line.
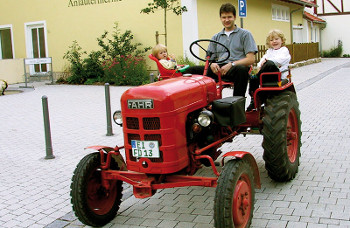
(225,68)
(215,68)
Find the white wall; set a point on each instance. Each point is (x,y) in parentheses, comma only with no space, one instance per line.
(189,27)
(336,29)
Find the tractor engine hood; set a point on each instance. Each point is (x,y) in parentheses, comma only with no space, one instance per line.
(170,95)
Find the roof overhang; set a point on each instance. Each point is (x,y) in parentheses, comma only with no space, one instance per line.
(304,3)
(314,19)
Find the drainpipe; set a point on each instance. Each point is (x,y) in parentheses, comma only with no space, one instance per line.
(320,47)
(321,29)
(312,31)
(291,21)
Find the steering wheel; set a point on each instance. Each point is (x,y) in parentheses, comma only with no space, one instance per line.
(196,42)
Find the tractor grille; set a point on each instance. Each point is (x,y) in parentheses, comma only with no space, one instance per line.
(132,123)
(149,123)
(152,123)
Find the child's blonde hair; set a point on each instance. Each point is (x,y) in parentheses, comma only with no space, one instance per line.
(158,48)
(273,33)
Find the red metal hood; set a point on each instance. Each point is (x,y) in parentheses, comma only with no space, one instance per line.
(172,95)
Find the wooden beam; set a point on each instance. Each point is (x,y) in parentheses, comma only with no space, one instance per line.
(333,14)
(334,5)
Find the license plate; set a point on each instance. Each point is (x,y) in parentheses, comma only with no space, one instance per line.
(145,149)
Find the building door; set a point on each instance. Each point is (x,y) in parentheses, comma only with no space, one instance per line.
(36,46)
(297,34)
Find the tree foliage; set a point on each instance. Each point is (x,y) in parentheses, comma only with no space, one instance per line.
(173,5)
(121,44)
(166,5)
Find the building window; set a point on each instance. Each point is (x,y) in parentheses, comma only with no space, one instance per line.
(280,13)
(39,51)
(6,50)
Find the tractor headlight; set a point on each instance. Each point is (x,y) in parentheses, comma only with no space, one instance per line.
(205,118)
(117,117)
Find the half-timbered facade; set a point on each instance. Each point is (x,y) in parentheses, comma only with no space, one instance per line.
(337,15)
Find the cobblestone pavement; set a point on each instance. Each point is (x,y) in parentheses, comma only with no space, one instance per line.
(34,192)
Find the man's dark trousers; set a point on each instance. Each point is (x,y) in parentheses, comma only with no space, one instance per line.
(238,74)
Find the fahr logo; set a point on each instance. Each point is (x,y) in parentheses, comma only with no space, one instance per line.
(140,104)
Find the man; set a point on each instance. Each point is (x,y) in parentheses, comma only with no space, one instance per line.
(242,48)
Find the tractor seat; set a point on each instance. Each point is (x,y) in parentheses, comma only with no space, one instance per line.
(273,79)
(163,72)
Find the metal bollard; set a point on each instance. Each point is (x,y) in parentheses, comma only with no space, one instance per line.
(108,111)
(49,154)
(151,77)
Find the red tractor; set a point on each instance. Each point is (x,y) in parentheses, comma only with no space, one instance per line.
(175,126)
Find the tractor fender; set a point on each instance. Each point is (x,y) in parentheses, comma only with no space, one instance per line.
(262,93)
(243,155)
(106,149)
(114,152)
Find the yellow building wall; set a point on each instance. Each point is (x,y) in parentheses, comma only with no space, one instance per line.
(12,70)
(66,23)
(258,21)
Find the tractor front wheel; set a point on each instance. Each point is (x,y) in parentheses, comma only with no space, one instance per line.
(281,131)
(234,195)
(93,204)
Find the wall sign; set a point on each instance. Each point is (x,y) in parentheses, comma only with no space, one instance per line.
(74,3)
(242,8)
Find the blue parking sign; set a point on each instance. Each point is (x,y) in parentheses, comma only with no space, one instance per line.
(242,5)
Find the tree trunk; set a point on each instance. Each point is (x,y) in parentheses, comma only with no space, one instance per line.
(165,28)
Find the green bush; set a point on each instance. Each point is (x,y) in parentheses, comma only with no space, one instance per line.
(126,70)
(76,69)
(93,68)
(335,51)
(119,62)
(185,61)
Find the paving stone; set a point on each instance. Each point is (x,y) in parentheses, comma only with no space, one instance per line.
(169,209)
(185,225)
(284,211)
(203,219)
(186,217)
(168,223)
(292,224)
(57,223)
(134,221)
(152,222)
(170,216)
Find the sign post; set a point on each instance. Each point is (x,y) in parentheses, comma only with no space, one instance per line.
(34,61)
(242,5)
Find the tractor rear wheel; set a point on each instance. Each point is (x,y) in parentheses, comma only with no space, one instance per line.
(234,195)
(281,131)
(93,204)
